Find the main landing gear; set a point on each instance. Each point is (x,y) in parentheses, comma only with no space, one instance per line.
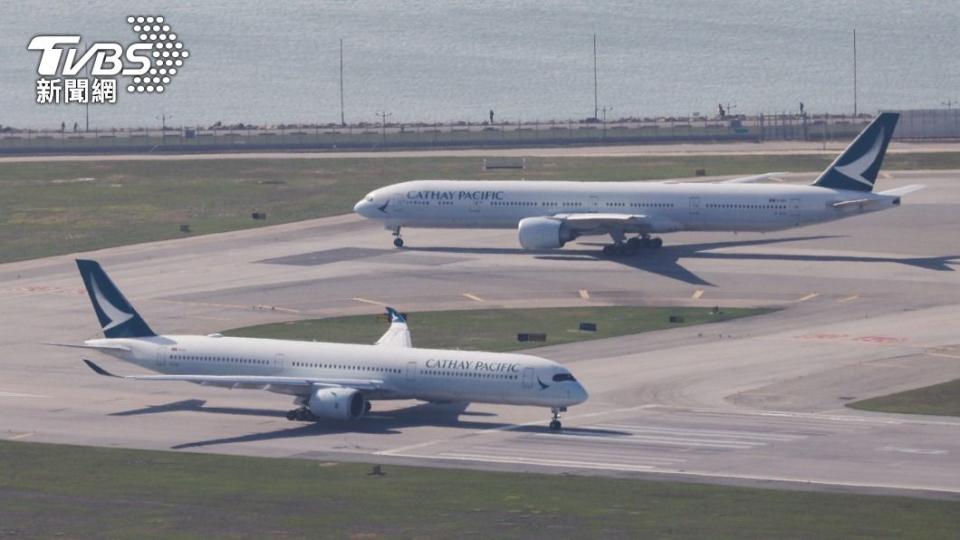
(632,246)
(397,241)
(555,424)
(302,414)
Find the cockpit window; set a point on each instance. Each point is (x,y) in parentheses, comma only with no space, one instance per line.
(560,377)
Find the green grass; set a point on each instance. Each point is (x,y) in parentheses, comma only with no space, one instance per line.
(79,492)
(939,399)
(50,208)
(496,329)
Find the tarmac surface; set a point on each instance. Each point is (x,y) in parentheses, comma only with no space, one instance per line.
(870,307)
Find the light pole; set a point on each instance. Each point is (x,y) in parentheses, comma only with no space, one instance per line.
(342,121)
(163,127)
(605,109)
(383,125)
(594,76)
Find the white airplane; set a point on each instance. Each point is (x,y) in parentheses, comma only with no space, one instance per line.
(548,214)
(328,380)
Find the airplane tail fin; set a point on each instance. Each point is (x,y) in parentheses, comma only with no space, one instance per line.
(117,317)
(398,335)
(857,167)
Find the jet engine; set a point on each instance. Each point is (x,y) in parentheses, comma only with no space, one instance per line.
(338,404)
(543,233)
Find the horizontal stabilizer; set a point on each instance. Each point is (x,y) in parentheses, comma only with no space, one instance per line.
(900,191)
(104,347)
(853,202)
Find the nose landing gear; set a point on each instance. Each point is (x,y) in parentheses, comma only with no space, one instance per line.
(555,424)
(397,241)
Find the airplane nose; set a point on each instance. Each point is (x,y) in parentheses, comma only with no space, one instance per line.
(580,394)
(362,207)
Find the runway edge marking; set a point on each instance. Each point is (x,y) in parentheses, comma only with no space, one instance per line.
(399,451)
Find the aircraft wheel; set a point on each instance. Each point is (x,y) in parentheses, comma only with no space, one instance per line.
(555,425)
(656,243)
(291,415)
(609,250)
(398,242)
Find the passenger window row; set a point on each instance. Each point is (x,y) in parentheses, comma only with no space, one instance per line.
(466,374)
(222,359)
(344,366)
(748,206)
(651,205)
(513,203)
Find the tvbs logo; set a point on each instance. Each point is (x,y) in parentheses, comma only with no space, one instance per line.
(150,63)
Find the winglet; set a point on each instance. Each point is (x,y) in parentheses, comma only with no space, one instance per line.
(395,316)
(99,370)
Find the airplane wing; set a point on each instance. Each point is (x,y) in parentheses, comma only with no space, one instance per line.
(398,335)
(598,223)
(754,179)
(292,385)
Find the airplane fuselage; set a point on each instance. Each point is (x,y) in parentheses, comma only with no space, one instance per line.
(667,206)
(405,373)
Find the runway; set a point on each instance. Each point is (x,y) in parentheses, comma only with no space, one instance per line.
(871,306)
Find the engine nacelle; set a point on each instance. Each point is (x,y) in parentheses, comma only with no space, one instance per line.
(338,403)
(542,233)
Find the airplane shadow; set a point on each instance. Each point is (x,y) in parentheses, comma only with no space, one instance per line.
(666,260)
(377,422)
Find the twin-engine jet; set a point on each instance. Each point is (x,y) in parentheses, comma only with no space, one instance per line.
(548,214)
(328,380)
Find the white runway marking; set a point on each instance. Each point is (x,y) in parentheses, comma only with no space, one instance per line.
(15,394)
(585,294)
(540,451)
(830,418)
(778,437)
(697,294)
(658,441)
(541,462)
(810,296)
(848,299)
(473,297)
(365,301)
(400,450)
(922,451)
(22,436)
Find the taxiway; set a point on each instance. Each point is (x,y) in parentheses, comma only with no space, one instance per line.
(871,305)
